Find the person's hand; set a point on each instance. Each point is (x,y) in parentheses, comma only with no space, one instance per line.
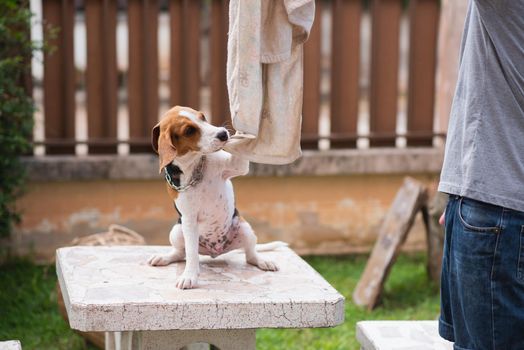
(442,218)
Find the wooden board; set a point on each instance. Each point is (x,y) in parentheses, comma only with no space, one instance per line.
(383,89)
(411,197)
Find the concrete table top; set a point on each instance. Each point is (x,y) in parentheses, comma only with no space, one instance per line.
(401,335)
(114,289)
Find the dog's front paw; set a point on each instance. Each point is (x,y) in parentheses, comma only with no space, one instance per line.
(187,281)
(266,265)
(163,260)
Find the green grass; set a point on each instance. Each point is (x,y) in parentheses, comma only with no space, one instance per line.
(28,309)
(408,295)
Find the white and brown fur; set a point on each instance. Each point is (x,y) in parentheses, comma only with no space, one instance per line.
(208,224)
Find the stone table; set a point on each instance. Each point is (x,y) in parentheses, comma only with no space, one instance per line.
(401,335)
(10,345)
(113,289)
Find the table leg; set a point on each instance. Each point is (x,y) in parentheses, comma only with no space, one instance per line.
(119,341)
(224,339)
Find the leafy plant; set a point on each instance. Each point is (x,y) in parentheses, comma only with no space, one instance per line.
(16,106)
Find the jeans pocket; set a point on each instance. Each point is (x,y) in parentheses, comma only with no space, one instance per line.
(520,268)
(478,216)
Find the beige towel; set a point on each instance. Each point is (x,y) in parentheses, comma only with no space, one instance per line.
(264,77)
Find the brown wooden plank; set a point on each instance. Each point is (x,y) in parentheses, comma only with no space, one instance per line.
(143,69)
(345,60)
(101,72)
(411,197)
(424,15)
(59,74)
(151,79)
(219,28)
(311,105)
(185,53)
(176,59)
(192,53)
(136,101)
(384,68)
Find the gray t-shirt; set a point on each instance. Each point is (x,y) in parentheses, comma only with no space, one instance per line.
(484,157)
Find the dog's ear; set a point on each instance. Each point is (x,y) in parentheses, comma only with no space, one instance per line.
(161,142)
(155,133)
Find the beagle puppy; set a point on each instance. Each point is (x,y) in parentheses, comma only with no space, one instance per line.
(198,174)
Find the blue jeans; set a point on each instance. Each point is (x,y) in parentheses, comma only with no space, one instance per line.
(482,284)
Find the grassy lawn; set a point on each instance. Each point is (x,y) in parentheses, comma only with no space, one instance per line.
(28,309)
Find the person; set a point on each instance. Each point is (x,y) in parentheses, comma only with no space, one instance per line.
(482,283)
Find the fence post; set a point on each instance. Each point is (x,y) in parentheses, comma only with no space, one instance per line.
(176,59)
(143,72)
(384,71)
(59,75)
(184,73)
(345,70)
(101,73)
(311,105)
(424,15)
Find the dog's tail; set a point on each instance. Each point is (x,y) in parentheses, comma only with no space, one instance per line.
(265,247)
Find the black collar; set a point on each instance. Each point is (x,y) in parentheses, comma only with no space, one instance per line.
(172,175)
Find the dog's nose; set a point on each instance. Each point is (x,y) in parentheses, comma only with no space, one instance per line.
(223,136)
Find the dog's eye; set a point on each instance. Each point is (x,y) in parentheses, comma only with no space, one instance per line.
(190,130)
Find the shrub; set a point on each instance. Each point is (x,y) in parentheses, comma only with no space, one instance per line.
(16,106)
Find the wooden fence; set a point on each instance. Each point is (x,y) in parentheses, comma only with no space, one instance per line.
(185,83)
